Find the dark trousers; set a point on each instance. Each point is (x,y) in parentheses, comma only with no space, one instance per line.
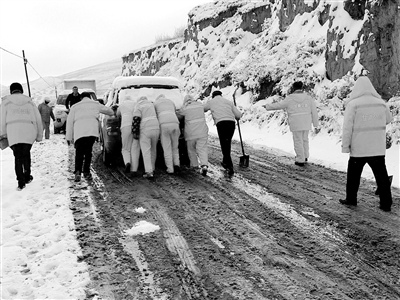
(83,154)
(378,166)
(22,154)
(46,128)
(225,130)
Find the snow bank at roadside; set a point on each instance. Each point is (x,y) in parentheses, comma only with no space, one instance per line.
(38,240)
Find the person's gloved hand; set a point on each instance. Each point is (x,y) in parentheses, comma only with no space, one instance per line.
(68,142)
(135,136)
(114,107)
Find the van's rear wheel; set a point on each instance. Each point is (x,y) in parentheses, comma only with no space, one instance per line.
(105,155)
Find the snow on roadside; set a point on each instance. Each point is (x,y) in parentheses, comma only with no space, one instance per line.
(38,239)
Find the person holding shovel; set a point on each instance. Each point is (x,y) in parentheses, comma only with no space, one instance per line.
(224,114)
(302,111)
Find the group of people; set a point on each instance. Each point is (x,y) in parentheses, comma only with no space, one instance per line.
(144,122)
(364,135)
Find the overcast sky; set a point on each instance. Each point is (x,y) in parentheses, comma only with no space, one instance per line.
(61,36)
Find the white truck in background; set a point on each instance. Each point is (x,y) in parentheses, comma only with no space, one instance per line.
(60,111)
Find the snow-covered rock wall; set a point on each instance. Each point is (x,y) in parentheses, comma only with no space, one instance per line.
(265,45)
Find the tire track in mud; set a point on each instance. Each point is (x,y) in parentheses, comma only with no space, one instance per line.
(100,249)
(384,226)
(269,232)
(372,237)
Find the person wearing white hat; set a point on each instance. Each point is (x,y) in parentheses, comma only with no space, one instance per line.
(46,112)
(149,132)
(130,146)
(169,132)
(196,132)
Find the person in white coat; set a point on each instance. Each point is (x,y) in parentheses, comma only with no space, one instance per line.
(83,129)
(169,132)
(302,111)
(22,125)
(195,132)
(149,133)
(130,146)
(364,137)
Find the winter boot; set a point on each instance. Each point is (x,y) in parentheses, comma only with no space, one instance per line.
(127,168)
(77,177)
(148,175)
(29,179)
(177,169)
(203,170)
(88,176)
(21,185)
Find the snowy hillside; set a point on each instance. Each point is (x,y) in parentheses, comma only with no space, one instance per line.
(264,46)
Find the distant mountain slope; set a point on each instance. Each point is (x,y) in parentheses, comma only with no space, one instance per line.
(103,73)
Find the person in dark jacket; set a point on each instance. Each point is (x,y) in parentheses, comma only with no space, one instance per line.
(21,122)
(224,114)
(46,112)
(73,98)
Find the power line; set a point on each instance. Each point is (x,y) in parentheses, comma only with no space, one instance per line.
(39,74)
(28,63)
(11,52)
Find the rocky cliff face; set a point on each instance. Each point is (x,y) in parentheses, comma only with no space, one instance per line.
(231,42)
(376,46)
(380,50)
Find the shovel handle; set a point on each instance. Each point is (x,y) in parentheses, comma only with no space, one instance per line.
(240,134)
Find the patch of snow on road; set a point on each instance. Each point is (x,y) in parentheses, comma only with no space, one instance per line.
(142,227)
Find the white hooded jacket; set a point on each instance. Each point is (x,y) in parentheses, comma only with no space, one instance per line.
(365,120)
(195,122)
(20,120)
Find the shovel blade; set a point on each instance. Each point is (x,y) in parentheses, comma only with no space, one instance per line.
(244,161)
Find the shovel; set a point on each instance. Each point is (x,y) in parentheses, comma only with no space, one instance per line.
(244,159)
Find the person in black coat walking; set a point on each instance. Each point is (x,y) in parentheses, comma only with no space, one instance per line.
(73,98)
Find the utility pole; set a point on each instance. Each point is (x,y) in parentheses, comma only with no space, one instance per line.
(26,72)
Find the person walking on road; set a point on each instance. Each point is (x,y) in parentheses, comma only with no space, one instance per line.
(73,98)
(196,132)
(130,146)
(169,131)
(224,114)
(46,112)
(22,124)
(364,137)
(145,116)
(302,111)
(83,129)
